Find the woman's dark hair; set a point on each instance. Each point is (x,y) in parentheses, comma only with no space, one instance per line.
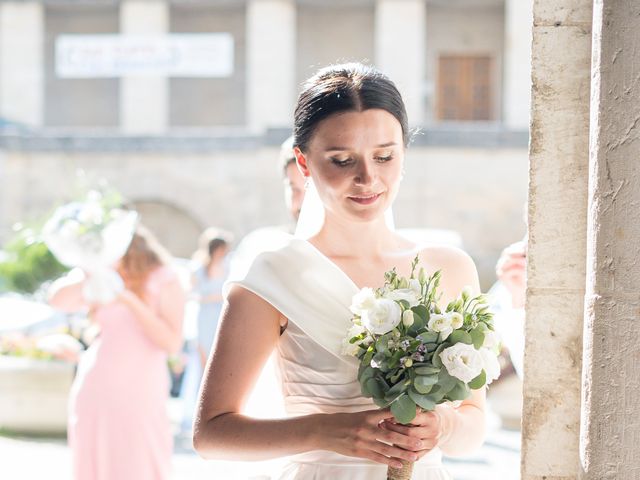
(343,88)
(209,242)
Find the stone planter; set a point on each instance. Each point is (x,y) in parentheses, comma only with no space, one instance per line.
(34,394)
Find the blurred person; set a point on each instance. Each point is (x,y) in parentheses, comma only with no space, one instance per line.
(206,289)
(118,425)
(508,301)
(292,177)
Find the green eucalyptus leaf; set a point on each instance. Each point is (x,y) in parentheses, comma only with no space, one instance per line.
(404,409)
(479,381)
(436,394)
(477,336)
(426,370)
(460,336)
(423,383)
(381,402)
(436,360)
(421,312)
(446,381)
(428,337)
(423,401)
(459,392)
(373,387)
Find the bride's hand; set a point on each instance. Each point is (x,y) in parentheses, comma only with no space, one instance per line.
(362,435)
(426,427)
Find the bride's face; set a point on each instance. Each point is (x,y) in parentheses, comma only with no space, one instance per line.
(355,160)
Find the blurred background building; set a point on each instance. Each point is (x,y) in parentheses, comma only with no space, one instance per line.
(182,104)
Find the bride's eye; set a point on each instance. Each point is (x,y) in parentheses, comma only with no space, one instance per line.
(383,159)
(341,162)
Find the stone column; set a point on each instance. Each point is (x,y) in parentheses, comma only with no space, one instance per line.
(610,427)
(22,62)
(271,56)
(558,177)
(516,99)
(400,50)
(144,101)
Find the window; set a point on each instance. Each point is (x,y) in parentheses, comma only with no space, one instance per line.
(464,88)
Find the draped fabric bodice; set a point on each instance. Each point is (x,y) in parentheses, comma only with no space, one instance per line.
(315,295)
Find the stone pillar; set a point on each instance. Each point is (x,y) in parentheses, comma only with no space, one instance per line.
(610,427)
(516,99)
(144,101)
(400,50)
(22,62)
(557,216)
(271,56)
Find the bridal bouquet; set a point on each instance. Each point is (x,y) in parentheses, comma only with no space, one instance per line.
(415,354)
(92,234)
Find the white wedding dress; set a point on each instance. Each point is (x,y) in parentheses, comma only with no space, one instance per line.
(314,294)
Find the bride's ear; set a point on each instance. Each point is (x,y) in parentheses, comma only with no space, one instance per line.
(301,160)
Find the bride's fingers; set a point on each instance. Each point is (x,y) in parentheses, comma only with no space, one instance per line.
(393,452)
(398,438)
(427,435)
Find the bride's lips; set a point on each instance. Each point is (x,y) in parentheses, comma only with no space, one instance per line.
(367,199)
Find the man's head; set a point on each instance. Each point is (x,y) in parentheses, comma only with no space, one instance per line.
(292,177)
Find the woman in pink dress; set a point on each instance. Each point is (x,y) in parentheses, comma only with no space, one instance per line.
(118,425)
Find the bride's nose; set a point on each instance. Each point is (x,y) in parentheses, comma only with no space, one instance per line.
(364,174)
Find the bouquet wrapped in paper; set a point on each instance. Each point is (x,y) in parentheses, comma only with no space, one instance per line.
(413,353)
(92,235)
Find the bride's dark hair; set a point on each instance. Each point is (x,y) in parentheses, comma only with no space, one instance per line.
(343,88)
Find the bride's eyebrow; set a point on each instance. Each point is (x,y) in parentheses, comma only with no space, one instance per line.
(343,149)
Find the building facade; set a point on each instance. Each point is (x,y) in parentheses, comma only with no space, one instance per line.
(193,147)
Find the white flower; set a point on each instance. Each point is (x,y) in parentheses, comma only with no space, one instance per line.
(90,213)
(406,294)
(462,361)
(466,292)
(382,317)
(362,301)
(407,318)
(440,323)
(415,286)
(69,229)
(491,340)
(491,365)
(456,320)
(352,349)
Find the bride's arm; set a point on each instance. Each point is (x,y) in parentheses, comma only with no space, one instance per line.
(248,332)
(456,430)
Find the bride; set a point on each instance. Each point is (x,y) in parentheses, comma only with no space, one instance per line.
(350,133)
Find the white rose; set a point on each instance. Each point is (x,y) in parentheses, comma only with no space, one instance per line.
(406,294)
(407,318)
(490,364)
(362,301)
(491,340)
(383,317)
(456,320)
(440,323)
(462,361)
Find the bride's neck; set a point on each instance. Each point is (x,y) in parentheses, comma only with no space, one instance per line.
(348,239)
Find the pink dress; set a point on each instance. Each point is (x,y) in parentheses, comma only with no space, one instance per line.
(118,425)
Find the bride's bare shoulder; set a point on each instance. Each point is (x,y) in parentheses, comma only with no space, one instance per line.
(457,267)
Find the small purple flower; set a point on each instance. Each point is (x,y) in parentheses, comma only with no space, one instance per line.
(404,344)
(417,357)
(422,348)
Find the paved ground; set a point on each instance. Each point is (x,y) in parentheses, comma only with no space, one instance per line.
(29,458)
